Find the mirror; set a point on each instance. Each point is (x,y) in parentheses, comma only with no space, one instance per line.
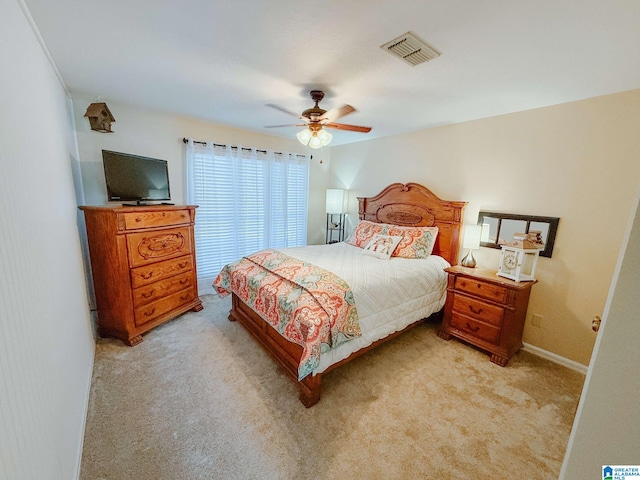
(499,228)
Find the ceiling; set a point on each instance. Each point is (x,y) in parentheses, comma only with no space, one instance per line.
(224,60)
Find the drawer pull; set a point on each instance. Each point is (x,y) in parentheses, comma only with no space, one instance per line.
(146,276)
(153,310)
(185,297)
(183,264)
(477,312)
(138,219)
(148,294)
(474,330)
(184,281)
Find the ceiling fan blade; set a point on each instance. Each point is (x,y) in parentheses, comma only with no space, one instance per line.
(337,112)
(343,126)
(284,110)
(287,125)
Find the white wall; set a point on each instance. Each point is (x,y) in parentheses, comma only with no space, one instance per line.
(577,161)
(46,341)
(159,134)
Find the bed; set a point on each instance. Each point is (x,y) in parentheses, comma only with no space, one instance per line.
(421,295)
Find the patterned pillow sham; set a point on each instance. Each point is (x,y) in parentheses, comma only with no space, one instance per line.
(382,246)
(417,242)
(364,232)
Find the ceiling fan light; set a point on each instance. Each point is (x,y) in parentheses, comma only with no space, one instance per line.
(315,142)
(304,136)
(325,137)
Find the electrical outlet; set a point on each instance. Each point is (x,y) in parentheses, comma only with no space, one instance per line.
(536,320)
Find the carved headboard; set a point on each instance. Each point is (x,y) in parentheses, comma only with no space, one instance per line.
(414,205)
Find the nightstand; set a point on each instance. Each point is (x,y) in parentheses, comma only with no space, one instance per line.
(485,310)
(335,227)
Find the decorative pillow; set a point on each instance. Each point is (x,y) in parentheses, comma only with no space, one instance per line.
(364,232)
(417,242)
(382,246)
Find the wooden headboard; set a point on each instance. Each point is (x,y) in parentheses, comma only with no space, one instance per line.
(411,204)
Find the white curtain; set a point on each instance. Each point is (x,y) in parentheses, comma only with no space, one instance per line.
(248,200)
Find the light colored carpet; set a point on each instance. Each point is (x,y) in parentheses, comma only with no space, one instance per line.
(198,399)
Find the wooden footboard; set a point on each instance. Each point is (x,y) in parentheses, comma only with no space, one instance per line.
(287,354)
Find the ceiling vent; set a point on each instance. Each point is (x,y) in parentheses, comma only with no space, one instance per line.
(411,48)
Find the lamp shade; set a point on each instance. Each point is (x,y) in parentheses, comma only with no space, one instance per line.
(304,136)
(325,137)
(335,200)
(472,234)
(315,142)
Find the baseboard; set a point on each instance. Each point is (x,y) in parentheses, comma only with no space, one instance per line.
(94,319)
(578,367)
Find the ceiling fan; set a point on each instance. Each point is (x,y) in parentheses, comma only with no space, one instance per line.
(316,118)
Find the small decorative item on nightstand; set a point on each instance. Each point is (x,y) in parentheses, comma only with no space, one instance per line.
(471,241)
(520,256)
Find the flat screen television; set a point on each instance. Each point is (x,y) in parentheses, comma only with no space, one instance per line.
(132,178)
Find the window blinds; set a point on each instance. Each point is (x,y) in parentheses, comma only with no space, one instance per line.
(248,200)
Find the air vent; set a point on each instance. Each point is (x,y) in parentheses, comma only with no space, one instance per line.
(411,48)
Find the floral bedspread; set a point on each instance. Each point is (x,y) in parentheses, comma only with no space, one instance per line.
(307,304)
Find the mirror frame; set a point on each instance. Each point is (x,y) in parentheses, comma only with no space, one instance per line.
(551,235)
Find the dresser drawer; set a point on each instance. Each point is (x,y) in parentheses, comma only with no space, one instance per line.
(478,309)
(152,311)
(155,291)
(481,330)
(157,271)
(148,247)
(137,220)
(481,288)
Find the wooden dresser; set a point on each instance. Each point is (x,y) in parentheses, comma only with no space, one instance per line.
(143,266)
(485,310)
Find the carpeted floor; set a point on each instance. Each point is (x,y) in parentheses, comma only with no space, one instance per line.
(198,399)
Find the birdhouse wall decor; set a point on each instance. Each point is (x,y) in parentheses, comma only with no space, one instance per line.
(100,117)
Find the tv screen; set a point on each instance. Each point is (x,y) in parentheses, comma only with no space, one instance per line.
(135,178)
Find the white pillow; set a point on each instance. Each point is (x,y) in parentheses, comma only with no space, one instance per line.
(382,246)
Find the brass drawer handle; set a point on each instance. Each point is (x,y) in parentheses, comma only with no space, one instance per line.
(185,297)
(183,264)
(149,294)
(147,276)
(477,312)
(474,330)
(184,281)
(148,314)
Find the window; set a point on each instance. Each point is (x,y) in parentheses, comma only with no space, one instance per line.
(248,200)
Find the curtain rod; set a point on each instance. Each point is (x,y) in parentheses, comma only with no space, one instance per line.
(185,140)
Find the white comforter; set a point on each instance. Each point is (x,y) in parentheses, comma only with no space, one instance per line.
(389,294)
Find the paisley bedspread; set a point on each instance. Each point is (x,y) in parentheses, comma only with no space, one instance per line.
(307,304)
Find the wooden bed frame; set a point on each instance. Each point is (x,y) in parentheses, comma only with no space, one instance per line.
(408,204)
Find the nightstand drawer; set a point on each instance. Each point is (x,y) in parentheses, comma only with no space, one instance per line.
(478,309)
(483,331)
(481,288)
